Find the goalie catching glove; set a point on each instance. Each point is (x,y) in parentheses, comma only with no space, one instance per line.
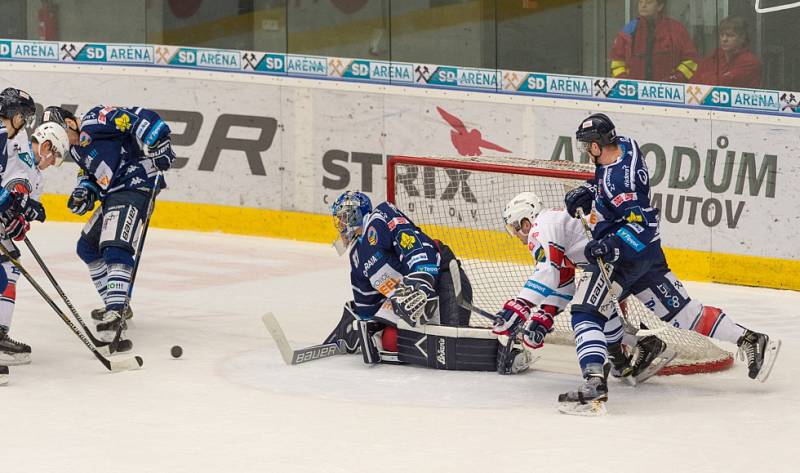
(412,299)
(535,325)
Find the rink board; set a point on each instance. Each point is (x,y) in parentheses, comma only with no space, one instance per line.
(265,155)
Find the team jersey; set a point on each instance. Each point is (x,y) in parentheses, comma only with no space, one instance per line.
(556,242)
(110,149)
(622,200)
(390,246)
(19,172)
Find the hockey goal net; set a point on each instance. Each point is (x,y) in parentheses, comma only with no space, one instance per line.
(460,201)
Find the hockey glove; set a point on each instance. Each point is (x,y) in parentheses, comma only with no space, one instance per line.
(580,198)
(16,204)
(515,312)
(160,153)
(83,197)
(412,299)
(538,326)
(608,248)
(16,228)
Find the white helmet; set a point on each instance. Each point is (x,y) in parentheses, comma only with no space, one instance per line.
(57,136)
(526,205)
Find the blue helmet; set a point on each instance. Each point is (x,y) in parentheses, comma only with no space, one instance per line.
(348,213)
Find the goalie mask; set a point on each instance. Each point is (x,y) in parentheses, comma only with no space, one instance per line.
(526,205)
(348,213)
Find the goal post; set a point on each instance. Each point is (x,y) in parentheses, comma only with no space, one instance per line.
(459,200)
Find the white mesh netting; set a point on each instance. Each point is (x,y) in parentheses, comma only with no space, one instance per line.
(460,201)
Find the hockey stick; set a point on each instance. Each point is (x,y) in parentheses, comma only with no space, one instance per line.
(102,347)
(455,273)
(614,300)
(130,363)
(295,357)
(150,206)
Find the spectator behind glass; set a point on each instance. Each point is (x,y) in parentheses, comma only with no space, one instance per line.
(732,64)
(653,47)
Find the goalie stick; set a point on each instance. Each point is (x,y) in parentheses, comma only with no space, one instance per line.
(295,357)
(131,363)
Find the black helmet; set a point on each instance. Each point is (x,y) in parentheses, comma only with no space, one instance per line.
(596,128)
(57,114)
(15,101)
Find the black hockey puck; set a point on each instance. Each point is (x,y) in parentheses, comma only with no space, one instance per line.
(176,351)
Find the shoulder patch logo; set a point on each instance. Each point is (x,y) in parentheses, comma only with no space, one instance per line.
(407,241)
(123,122)
(372,236)
(86,139)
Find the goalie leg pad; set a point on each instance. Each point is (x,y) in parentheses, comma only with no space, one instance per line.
(450,313)
(447,348)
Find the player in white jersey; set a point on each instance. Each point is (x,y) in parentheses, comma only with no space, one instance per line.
(22,176)
(557,242)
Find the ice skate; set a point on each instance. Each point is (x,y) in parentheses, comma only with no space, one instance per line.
(98,314)
(760,352)
(590,398)
(13,352)
(652,354)
(620,364)
(107,327)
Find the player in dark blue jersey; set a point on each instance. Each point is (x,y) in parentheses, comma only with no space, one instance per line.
(121,154)
(402,286)
(627,238)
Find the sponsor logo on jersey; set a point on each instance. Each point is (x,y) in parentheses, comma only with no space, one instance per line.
(141,128)
(407,240)
(393,223)
(27,159)
(102,116)
(123,122)
(643,176)
(85,139)
(630,240)
(372,236)
(371,262)
(620,198)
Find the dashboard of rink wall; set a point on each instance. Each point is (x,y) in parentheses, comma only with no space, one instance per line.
(265,151)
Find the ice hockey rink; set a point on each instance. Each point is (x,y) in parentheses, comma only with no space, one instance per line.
(231,405)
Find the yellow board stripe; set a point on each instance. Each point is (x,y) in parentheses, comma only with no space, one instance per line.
(493,245)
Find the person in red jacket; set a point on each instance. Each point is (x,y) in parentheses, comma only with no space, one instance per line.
(653,47)
(732,63)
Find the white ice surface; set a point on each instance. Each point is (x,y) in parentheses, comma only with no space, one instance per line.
(231,405)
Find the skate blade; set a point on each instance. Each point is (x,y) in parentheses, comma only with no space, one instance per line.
(770,355)
(591,409)
(16,359)
(661,361)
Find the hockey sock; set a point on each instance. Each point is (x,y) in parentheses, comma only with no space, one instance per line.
(119,282)
(714,323)
(99,273)
(9,295)
(590,340)
(613,330)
